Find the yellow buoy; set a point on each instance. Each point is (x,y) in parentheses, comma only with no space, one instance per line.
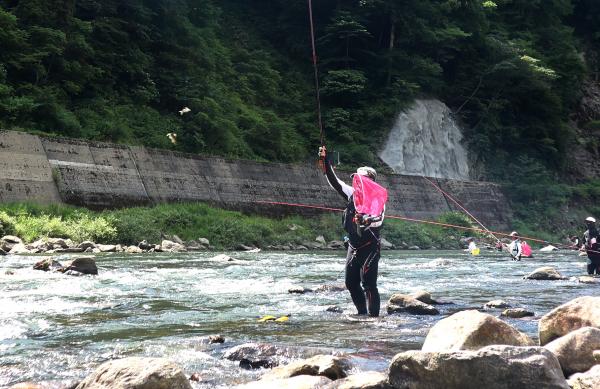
(475,251)
(267,318)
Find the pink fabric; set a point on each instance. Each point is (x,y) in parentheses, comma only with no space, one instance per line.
(526,249)
(369,197)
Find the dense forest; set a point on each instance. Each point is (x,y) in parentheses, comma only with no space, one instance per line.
(112,70)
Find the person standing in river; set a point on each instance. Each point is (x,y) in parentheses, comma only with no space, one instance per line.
(591,246)
(364,248)
(514,248)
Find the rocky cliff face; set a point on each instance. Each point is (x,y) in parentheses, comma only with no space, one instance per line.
(584,150)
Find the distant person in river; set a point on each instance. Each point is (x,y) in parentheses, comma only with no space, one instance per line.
(591,246)
(362,260)
(574,242)
(515,248)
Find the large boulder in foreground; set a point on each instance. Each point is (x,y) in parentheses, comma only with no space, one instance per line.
(545,273)
(399,303)
(323,365)
(588,380)
(580,312)
(136,373)
(575,350)
(365,380)
(492,367)
(297,382)
(472,330)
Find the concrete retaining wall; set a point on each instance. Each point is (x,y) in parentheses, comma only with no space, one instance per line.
(101,175)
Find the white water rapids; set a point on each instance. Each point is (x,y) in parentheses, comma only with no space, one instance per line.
(425,141)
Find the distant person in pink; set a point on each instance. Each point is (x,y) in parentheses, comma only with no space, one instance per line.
(526,248)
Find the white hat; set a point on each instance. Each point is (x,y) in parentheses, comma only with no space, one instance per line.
(367,172)
(590,219)
(514,233)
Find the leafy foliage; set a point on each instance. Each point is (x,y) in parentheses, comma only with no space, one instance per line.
(120,71)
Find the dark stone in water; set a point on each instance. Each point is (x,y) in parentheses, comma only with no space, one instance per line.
(252,365)
(216,339)
(196,377)
(334,308)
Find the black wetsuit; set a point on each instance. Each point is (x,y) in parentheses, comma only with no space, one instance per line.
(362,260)
(593,250)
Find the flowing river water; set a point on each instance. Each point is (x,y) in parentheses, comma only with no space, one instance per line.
(55,329)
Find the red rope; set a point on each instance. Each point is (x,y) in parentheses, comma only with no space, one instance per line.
(448,225)
(461,207)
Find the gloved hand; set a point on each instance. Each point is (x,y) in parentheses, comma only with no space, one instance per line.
(322,152)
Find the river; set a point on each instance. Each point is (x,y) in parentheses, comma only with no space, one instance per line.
(55,329)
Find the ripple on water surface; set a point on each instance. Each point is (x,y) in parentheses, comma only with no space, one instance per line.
(163,304)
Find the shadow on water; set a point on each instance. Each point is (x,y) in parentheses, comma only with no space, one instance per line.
(164,305)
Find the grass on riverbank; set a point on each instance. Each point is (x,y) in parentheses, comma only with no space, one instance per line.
(190,221)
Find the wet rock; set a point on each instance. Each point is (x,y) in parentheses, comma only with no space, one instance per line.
(177,239)
(252,351)
(61,243)
(216,339)
(106,248)
(9,272)
(73,273)
(472,330)
(19,248)
(7,242)
(192,245)
(324,365)
(119,248)
(40,244)
(414,248)
(334,309)
(494,304)
(575,350)
(87,244)
(545,273)
(247,364)
(516,313)
(312,245)
(133,250)
(386,245)
(400,303)
(298,382)
(300,247)
(492,367)
(2,252)
(85,265)
(320,240)
(196,377)
(364,380)
(588,280)
(588,380)
(144,245)
(47,264)
(575,314)
(299,290)
(243,247)
(425,297)
(136,373)
(96,250)
(172,247)
(224,258)
(330,288)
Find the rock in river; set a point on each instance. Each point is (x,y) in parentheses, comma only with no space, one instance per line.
(580,312)
(404,303)
(492,367)
(136,373)
(472,330)
(545,273)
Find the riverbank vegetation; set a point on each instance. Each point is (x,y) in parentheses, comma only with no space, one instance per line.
(224,229)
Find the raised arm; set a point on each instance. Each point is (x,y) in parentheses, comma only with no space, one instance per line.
(340,186)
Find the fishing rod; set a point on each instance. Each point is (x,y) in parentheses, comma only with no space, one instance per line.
(316,72)
(430,222)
